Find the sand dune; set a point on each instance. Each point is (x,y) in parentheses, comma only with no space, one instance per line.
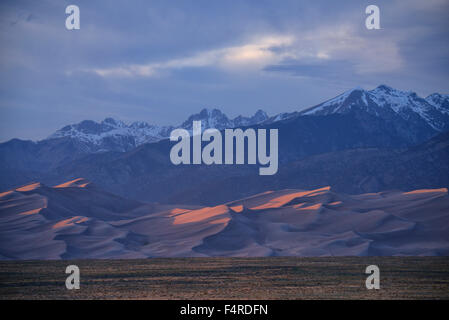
(77,220)
(80,183)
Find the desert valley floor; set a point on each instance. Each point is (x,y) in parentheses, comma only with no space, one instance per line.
(229,278)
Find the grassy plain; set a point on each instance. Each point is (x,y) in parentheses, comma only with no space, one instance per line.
(229,278)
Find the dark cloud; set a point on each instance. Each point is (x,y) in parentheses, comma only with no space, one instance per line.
(163,60)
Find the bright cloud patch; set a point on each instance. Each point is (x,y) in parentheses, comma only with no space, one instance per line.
(318,46)
(253,54)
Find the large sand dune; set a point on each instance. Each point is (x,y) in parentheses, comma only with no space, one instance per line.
(77,220)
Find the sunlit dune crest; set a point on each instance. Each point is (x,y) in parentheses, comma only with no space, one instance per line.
(237,208)
(5,193)
(79,183)
(177,211)
(282,200)
(318,192)
(30,212)
(441,190)
(220,221)
(312,207)
(70,222)
(29,187)
(200,214)
(255,196)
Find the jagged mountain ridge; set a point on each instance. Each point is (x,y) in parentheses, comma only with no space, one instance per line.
(389,103)
(146,170)
(115,135)
(430,114)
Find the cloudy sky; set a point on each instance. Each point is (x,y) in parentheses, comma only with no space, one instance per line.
(160,61)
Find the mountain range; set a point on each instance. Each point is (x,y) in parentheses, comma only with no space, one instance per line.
(115,135)
(388,103)
(357,142)
(427,116)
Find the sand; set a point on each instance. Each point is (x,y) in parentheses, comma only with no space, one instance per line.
(75,220)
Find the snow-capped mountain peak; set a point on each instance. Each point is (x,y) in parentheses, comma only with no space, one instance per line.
(111,134)
(209,119)
(113,123)
(259,117)
(386,102)
(385,96)
(216,119)
(339,104)
(394,106)
(439,101)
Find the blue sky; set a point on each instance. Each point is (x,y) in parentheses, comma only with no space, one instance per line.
(160,61)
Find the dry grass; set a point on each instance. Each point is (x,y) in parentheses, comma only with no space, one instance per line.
(229,278)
